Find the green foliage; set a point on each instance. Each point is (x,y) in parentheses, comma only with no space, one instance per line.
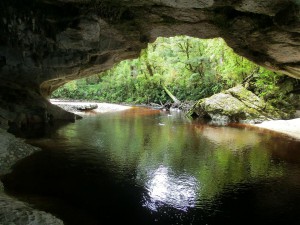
(274,88)
(188,67)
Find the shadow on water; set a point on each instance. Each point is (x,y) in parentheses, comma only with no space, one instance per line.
(77,190)
(143,166)
(38,130)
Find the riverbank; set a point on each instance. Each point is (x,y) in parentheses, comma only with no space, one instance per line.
(288,127)
(76,106)
(13,149)
(72,106)
(12,211)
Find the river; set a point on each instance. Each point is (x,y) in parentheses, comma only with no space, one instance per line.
(144,166)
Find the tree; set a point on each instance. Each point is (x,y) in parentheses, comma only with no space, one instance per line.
(181,66)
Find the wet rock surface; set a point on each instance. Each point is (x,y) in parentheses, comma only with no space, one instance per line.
(12,150)
(15,212)
(12,211)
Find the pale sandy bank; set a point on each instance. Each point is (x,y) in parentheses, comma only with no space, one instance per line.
(102,107)
(289,127)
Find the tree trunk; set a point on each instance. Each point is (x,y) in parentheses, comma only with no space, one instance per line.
(171,95)
(149,68)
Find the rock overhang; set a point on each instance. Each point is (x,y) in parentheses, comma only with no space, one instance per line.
(61,40)
(46,43)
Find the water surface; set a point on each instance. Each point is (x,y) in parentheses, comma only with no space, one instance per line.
(143,166)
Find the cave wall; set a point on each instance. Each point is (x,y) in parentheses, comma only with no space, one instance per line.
(46,43)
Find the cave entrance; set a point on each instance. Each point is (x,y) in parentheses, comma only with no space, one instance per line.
(176,69)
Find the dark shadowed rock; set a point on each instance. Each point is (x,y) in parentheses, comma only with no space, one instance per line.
(12,150)
(12,211)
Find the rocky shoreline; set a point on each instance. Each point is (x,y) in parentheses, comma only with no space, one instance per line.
(82,106)
(239,105)
(288,127)
(14,149)
(13,211)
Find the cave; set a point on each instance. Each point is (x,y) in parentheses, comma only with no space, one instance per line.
(46,43)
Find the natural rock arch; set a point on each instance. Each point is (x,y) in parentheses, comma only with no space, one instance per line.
(46,43)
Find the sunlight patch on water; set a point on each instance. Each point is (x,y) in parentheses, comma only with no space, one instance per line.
(165,188)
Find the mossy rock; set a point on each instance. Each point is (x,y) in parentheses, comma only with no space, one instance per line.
(235,105)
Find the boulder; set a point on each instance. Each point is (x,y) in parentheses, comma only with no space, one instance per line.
(236,105)
(13,211)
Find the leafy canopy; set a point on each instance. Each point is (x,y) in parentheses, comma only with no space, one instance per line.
(190,68)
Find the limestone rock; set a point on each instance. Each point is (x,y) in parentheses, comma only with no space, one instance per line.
(12,211)
(235,105)
(12,150)
(46,43)
(15,212)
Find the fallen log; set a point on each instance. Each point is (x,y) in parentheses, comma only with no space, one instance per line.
(86,107)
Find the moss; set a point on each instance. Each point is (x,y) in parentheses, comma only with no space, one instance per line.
(238,104)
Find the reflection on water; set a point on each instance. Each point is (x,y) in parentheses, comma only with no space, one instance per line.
(234,139)
(152,167)
(164,187)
